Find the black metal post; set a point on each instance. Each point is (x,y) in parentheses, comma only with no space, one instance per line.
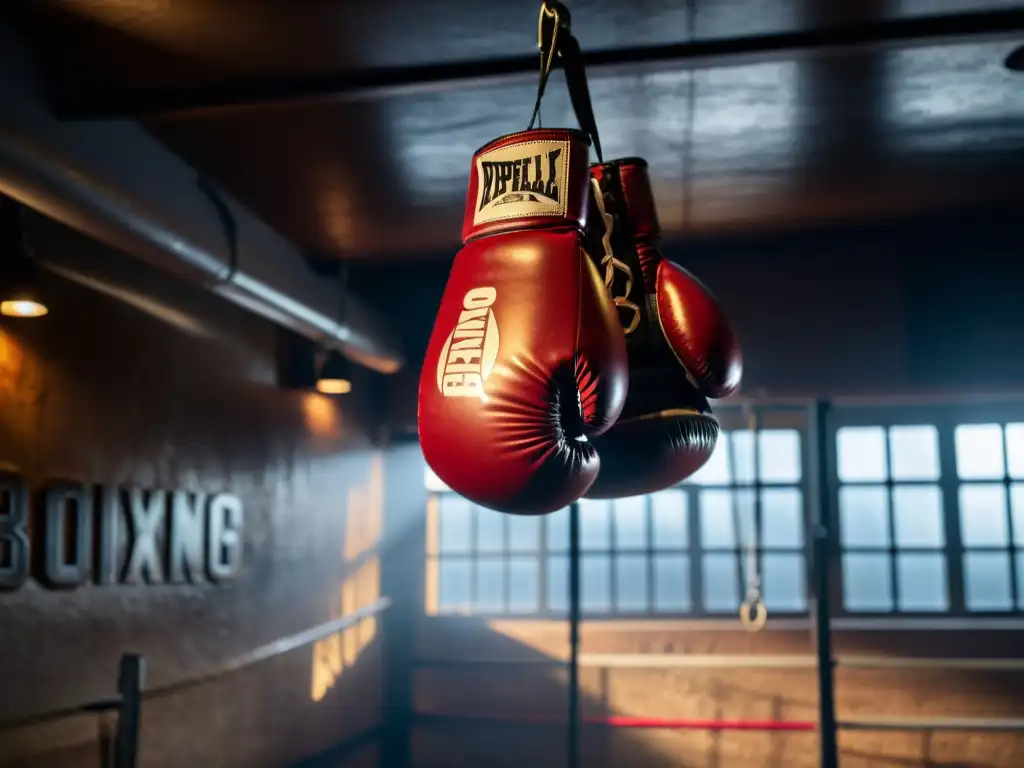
(130,681)
(820,567)
(573,735)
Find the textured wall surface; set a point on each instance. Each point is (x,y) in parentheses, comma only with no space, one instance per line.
(107,393)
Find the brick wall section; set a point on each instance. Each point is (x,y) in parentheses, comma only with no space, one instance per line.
(714,694)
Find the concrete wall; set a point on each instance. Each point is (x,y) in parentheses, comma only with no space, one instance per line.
(178,391)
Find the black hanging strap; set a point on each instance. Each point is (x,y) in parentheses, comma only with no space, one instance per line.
(556,43)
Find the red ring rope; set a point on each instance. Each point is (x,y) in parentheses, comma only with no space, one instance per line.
(619,721)
(622,721)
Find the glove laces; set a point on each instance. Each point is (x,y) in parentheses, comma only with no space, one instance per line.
(612,265)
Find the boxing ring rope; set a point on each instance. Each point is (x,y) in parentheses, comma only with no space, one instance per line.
(897,724)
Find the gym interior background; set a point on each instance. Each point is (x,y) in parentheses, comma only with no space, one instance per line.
(846,177)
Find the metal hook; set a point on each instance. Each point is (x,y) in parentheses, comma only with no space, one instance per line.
(548,11)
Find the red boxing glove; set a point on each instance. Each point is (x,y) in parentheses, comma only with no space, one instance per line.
(682,348)
(527,359)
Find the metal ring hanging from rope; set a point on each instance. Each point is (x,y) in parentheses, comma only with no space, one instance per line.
(753,612)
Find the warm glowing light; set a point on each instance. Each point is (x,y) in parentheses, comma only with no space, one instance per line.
(332,655)
(322,416)
(334,386)
(23,308)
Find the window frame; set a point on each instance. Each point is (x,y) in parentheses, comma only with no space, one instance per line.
(945,415)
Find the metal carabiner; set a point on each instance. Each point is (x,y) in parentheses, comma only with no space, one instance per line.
(548,13)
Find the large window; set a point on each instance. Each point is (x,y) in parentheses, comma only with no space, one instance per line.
(681,551)
(931,516)
(891,519)
(990,468)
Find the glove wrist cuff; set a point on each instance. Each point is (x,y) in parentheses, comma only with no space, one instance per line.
(627,188)
(531,179)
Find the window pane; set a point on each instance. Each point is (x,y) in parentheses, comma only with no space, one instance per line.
(455,577)
(866,583)
(864,516)
(922,582)
(490,586)
(914,452)
(716,470)
(558,583)
(595,583)
(631,522)
(979,451)
(983,515)
(987,581)
(782,517)
(523,533)
(779,454)
(861,454)
(523,575)
(557,530)
(917,512)
(1020,580)
(671,583)
(717,527)
(720,589)
(455,514)
(1015,450)
(595,524)
(490,530)
(742,444)
(785,582)
(668,520)
(631,583)
(1017,505)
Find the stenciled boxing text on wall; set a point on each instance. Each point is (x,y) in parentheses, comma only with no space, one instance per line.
(66,534)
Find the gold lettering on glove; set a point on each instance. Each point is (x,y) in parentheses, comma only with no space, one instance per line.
(611,264)
(468,354)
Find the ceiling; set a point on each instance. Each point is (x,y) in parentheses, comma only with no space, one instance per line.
(349,126)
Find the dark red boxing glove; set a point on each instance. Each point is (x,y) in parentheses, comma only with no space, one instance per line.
(682,348)
(527,359)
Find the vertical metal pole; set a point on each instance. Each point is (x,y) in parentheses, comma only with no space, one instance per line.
(822,595)
(130,681)
(573,734)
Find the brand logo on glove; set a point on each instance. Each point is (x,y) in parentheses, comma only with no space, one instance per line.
(469,353)
(522,180)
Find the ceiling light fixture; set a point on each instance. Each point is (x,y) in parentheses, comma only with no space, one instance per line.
(20,295)
(336,373)
(335,376)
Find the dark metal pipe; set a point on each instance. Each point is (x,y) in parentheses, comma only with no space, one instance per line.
(573,731)
(383,82)
(827,739)
(114,182)
(130,682)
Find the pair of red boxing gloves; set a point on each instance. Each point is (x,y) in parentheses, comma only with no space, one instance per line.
(568,358)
